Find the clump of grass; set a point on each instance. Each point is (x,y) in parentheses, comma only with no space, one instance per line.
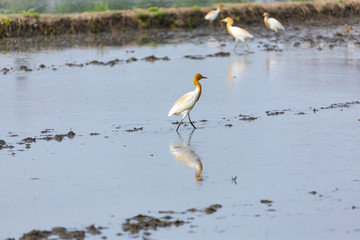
(4,27)
(153,9)
(30,12)
(256,5)
(159,14)
(340,1)
(164,19)
(6,21)
(244,1)
(190,22)
(196,8)
(143,19)
(100,7)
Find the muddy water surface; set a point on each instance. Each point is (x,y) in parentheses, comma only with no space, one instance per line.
(276,143)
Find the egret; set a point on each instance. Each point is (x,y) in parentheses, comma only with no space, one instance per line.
(185,104)
(273,24)
(213,14)
(237,32)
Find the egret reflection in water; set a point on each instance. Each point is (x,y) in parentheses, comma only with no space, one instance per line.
(184,152)
(237,68)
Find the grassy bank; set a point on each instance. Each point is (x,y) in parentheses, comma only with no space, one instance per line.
(317,12)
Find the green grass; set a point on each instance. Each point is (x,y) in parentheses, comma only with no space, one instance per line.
(27,13)
(164,19)
(153,9)
(30,13)
(143,19)
(4,27)
(196,8)
(100,7)
(6,21)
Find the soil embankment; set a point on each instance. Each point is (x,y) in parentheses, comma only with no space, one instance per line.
(324,11)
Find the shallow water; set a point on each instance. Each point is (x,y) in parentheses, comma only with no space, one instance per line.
(104,178)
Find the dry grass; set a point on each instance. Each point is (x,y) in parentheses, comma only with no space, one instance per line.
(320,11)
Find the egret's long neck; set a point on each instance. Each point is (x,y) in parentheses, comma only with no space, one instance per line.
(266,21)
(228,25)
(198,88)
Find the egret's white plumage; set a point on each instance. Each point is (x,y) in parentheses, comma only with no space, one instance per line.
(213,14)
(185,104)
(237,32)
(272,23)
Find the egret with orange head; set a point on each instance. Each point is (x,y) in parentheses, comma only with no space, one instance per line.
(185,104)
(213,14)
(273,24)
(237,32)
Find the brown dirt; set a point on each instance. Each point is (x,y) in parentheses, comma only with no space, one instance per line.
(325,11)
(61,232)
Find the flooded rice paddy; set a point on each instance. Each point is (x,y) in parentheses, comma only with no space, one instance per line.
(88,151)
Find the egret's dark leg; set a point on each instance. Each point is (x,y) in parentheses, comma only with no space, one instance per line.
(180,122)
(190,121)
(236,42)
(277,39)
(247,47)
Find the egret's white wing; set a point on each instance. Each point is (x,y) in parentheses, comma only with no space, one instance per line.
(240,33)
(212,15)
(275,24)
(185,103)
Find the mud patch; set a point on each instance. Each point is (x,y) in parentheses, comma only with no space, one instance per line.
(25,68)
(94,230)
(194,57)
(61,232)
(266,201)
(4,145)
(152,58)
(209,210)
(74,65)
(340,105)
(246,118)
(144,223)
(201,57)
(135,129)
(276,112)
(44,135)
(110,63)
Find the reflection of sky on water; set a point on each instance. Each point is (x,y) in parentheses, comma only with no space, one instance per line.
(281,158)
